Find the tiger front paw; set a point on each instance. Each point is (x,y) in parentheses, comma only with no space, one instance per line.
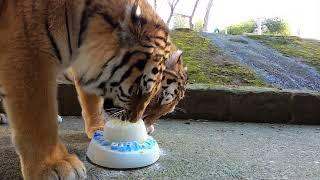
(91,130)
(3,119)
(57,165)
(68,168)
(150,129)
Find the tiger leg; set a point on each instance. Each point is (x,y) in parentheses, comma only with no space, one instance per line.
(29,89)
(92,110)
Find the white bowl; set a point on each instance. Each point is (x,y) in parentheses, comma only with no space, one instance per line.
(123,146)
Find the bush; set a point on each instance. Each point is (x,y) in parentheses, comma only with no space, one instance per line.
(242,28)
(276,26)
(198,26)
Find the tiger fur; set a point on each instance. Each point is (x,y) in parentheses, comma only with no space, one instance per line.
(113,48)
(173,87)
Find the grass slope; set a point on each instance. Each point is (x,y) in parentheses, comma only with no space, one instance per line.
(207,64)
(308,50)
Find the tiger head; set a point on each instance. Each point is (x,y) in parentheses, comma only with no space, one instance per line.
(173,88)
(122,48)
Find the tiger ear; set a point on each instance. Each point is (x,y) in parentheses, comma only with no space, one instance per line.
(135,11)
(175,58)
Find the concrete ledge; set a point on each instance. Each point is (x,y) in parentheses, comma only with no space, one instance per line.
(241,104)
(250,104)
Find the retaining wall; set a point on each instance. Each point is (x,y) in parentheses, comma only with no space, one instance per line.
(242,104)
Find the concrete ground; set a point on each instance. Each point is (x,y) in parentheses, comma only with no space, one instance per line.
(202,150)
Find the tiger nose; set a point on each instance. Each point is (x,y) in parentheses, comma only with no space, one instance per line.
(149,87)
(135,116)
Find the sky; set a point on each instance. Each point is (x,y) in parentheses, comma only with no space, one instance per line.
(302,15)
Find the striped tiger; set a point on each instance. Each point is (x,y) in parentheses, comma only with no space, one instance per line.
(116,49)
(173,88)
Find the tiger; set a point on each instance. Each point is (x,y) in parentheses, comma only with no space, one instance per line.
(116,49)
(173,89)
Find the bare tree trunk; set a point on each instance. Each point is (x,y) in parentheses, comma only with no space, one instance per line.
(155,5)
(172,4)
(193,12)
(206,17)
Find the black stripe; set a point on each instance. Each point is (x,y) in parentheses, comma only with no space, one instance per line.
(109,20)
(68,31)
(90,81)
(151,80)
(140,65)
(123,100)
(84,21)
(114,84)
(143,21)
(160,45)
(131,89)
(67,77)
(169,81)
(107,62)
(161,38)
(123,94)
(2,96)
(99,75)
(52,41)
(164,28)
(138,79)
(102,86)
(125,60)
(148,46)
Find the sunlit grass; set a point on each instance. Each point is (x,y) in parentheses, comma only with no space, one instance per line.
(308,50)
(204,66)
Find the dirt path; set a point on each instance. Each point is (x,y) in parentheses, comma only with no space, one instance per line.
(273,67)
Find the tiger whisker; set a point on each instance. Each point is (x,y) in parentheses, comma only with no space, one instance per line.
(111,109)
(116,114)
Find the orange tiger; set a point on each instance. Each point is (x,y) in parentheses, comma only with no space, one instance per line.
(173,87)
(116,49)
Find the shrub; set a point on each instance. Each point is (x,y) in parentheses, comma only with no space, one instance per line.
(198,26)
(242,28)
(276,26)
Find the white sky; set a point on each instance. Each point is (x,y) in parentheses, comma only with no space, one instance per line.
(300,14)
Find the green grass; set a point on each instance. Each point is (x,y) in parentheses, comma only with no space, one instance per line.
(308,50)
(205,66)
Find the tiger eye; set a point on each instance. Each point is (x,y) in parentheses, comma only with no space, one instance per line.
(169,81)
(155,71)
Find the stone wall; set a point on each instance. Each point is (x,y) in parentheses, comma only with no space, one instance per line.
(251,105)
(242,104)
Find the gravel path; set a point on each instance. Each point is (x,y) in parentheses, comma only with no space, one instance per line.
(273,67)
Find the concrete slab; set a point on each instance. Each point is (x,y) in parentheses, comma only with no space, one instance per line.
(202,150)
